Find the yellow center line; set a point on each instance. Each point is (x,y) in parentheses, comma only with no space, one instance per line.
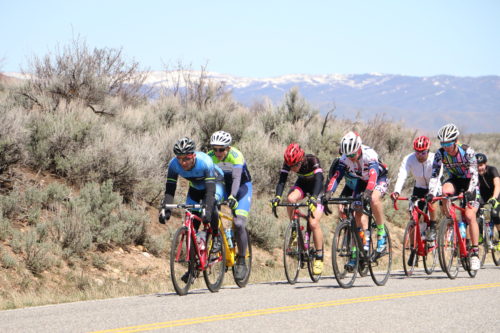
(289,308)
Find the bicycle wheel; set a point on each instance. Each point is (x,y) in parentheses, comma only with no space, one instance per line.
(291,253)
(343,247)
(430,259)
(483,245)
(311,255)
(448,248)
(380,263)
(409,249)
(182,263)
(248,261)
(467,267)
(216,265)
(494,242)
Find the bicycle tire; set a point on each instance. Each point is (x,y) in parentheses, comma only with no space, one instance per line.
(178,263)
(342,245)
(448,248)
(408,248)
(380,268)
(291,253)
(494,242)
(483,247)
(311,254)
(216,265)
(430,259)
(467,266)
(248,261)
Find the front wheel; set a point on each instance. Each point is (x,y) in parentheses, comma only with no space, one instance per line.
(182,261)
(291,253)
(431,258)
(216,265)
(311,256)
(345,258)
(380,262)
(494,243)
(448,248)
(410,255)
(248,261)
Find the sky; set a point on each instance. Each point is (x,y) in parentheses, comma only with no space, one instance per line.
(269,38)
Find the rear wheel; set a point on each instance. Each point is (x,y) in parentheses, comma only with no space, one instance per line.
(380,263)
(182,263)
(448,248)
(431,258)
(343,250)
(494,242)
(248,262)
(485,239)
(311,250)
(216,265)
(410,256)
(291,253)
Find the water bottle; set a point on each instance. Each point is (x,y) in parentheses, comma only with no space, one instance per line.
(423,226)
(201,238)
(463,229)
(366,246)
(229,237)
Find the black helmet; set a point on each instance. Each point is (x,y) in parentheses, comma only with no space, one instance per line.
(481,158)
(184,146)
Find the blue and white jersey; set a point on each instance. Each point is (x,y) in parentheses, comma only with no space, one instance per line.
(204,171)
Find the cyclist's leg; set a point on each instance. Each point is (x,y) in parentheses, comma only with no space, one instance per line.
(295,195)
(244,198)
(195,196)
(448,190)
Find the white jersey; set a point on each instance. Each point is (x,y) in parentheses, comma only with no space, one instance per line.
(360,168)
(422,172)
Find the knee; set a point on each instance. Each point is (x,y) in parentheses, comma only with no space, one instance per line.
(240,222)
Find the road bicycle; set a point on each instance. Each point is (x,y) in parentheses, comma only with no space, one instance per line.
(414,244)
(349,246)
(489,237)
(452,245)
(226,223)
(298,245)
(191,253)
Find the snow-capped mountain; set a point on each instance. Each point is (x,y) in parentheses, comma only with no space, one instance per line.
(473,103)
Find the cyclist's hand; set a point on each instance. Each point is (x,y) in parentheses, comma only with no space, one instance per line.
(429,197)
(275,202)
(324,202)
(469,196)
(164,215)
(232,202)
(367,195)
(494,203)
(394,196)
(312,202)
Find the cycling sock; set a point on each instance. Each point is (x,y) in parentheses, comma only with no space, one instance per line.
(432,224)
(319,254)
(475,249)
(380,230)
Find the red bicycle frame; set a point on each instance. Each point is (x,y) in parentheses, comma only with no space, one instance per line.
(452,210)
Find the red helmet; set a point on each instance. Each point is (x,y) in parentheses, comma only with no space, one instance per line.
(293,154)
(421,143)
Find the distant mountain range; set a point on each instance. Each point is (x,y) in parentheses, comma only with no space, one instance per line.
(473,103)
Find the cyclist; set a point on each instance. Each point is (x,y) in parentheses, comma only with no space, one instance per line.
(459,163)
(489,188)
(309,181)
(365,175)
(238,185)
(205,184)
(419,164)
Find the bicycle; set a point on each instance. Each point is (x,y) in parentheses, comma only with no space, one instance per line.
(191,253)
(414,245)
(348,244)
(452,245)
(298,249)
(231,247)
(489,237)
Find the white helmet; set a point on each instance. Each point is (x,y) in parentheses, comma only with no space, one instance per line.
(350,143)
(220,138)
(448,132)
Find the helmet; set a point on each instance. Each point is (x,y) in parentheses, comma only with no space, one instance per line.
(293,154)
(220,138)
(184,146)
(421,143)
(448,132)
(481,158)
(350,143)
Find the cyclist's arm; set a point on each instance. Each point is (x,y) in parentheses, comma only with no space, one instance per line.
(335,179)
(474,175)
(436,172)
(318,182)
(402,174)
(210,177)
(496,183)
(282,181)
(237,171)
(373,169)
(170,185)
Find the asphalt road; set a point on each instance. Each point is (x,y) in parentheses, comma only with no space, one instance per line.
(421,303)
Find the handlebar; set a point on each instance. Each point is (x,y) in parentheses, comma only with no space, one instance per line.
(184,206)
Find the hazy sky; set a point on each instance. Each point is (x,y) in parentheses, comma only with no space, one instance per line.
(267,38)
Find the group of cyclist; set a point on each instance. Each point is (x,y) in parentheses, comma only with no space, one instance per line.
(222,175)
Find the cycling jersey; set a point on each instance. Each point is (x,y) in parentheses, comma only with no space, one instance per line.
(367,168)
(461,166)
(486,185)
(310,173)
(422,172)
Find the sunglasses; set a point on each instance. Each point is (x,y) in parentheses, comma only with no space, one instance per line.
(219,150)
(447,144)
(351,155)
(185,158)
(424,152)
